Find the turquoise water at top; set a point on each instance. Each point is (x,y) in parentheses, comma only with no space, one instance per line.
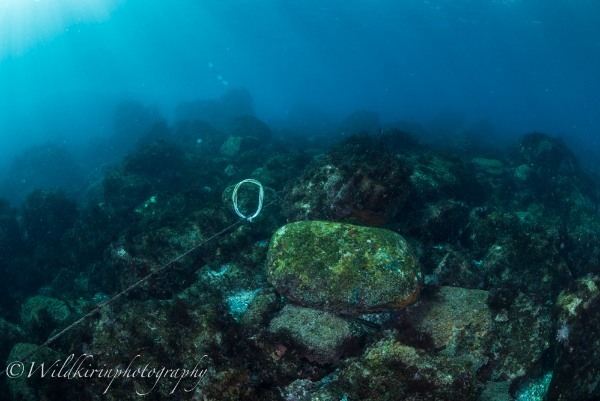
(515,66)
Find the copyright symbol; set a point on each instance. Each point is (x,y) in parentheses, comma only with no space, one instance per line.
(15,369)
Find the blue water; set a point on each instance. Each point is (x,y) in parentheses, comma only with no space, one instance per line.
(514,66)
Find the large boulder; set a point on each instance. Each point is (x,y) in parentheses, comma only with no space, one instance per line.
(343,268)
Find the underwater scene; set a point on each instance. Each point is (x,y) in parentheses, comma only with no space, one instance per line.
(300,200)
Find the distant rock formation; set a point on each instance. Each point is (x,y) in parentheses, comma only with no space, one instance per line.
(218,112)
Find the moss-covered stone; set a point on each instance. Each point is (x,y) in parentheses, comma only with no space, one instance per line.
(457,320)
(41,315)
(262,306)
(343,268)
(473,328)
(321,334)
(390,370)
(359,181)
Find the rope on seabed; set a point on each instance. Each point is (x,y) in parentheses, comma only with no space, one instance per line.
(155,272)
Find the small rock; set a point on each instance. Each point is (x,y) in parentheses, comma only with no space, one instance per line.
(321,334)
(41,315)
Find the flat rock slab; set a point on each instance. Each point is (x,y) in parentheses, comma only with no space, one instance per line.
(321,334)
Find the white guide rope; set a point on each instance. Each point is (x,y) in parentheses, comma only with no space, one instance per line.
(261,195)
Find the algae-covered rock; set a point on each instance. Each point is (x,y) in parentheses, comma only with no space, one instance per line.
(456,320)
(389,370)
(359,181)
(321,334)
(343,268)
(41,315)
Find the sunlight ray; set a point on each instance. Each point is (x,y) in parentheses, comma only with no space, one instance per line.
(25,23)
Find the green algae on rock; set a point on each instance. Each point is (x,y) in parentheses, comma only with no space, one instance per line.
(40,315)
(342,267)
(321,334)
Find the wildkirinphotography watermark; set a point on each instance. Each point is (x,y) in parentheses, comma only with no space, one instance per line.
(83,367)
